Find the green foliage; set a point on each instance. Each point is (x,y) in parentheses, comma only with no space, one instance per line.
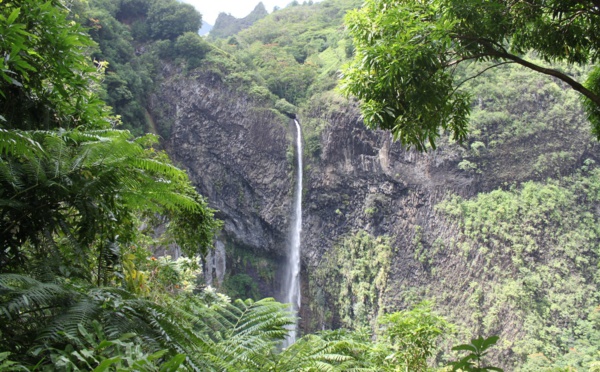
(132,10)
(131,67)
(591,107)
(250,332)
(325,351)
(71,188)
(512,101)
(169,19)
(404,343)
(582,354)
(517,112)
(162,276)
(91,350)
(133,36)
(245,270)
(398,76)
(10,366)
(473,362)
(46,80)
(39,319)
(86,187)
(50,324)
(294,52)
(406,55)
(352,280)
(540,241)
(192,47)
(285,107)
(241,286)
(412,336)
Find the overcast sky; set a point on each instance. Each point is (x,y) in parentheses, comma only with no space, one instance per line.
(210,9)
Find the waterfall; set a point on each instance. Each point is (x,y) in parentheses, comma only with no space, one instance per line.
(291,287)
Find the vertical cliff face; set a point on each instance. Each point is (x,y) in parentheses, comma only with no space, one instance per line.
(235,153)
(365,181)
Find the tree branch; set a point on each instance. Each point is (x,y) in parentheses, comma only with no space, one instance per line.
(480,73)
(474,56)
(548,71)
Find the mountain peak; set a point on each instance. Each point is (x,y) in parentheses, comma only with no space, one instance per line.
(227,25)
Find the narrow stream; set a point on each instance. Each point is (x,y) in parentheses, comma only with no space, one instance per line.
(291,287)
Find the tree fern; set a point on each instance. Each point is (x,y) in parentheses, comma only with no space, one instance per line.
(16,143)
(88,184)
(26,307)
(35,317)
(251,332)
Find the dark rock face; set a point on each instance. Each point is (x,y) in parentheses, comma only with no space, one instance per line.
(365,181)
(360,170)
(235,153)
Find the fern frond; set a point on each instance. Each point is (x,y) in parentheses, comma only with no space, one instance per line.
(80,314)
(329,351)
(160,168)
(26,307)
(246,333)
(18,144)
(22,295)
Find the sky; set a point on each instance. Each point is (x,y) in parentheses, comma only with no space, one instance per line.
(210,9)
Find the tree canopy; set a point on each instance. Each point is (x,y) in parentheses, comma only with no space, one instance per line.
(169,19)
(407,53)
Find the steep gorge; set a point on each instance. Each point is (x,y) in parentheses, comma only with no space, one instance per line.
(236,149)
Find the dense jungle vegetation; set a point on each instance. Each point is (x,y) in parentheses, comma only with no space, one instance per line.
(82,188)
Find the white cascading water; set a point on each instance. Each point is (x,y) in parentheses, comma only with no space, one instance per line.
(291,287)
